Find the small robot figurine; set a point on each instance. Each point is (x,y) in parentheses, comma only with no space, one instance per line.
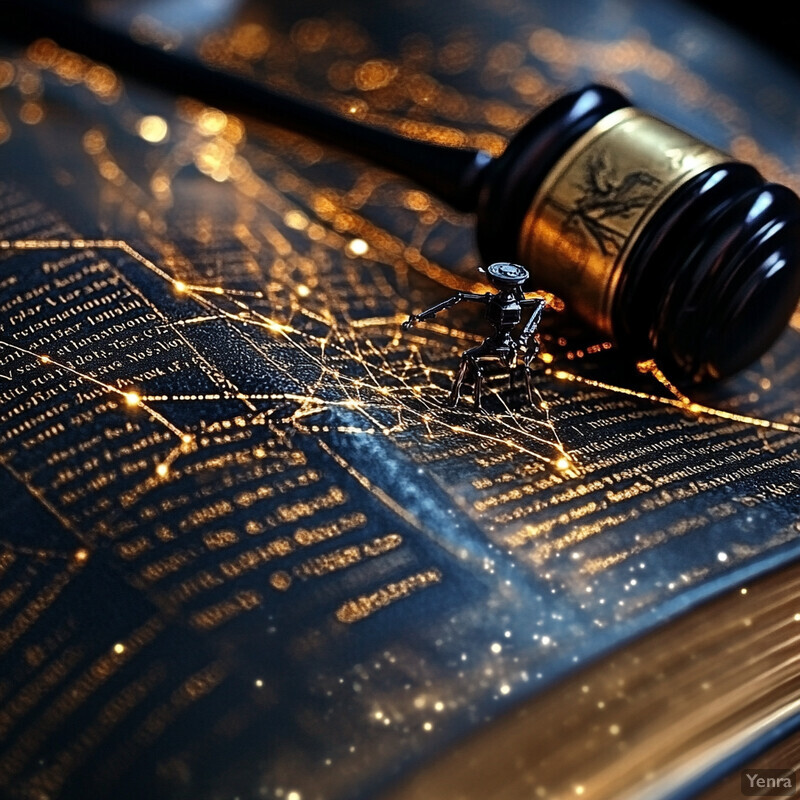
(504,311)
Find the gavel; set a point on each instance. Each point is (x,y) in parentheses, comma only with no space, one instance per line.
(667,246)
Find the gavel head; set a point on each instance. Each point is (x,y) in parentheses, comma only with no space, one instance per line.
(666,245)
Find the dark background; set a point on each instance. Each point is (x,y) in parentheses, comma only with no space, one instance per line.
(765,22)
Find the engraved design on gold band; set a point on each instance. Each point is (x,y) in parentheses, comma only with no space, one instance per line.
(595,202)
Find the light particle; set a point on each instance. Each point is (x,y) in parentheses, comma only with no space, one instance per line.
(296,220)
(212,121)
(31,113)
(152,128)
(357,247)
(280,580)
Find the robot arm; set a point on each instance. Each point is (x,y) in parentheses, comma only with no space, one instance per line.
(529,330)
(434,310)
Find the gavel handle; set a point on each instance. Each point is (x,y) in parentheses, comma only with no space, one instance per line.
(452,174)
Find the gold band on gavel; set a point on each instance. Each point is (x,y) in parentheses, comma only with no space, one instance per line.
(594,204)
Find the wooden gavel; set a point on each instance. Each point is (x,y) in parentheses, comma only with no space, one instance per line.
(666,245)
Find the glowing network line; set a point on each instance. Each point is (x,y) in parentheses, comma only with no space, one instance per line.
(682,402)
(329,347)
(364,394)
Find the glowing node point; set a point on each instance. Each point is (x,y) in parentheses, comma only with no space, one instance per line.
(259,683)
(132,398)
(162,470)
(44,359)
(180,286)
(303,290)
(187,438)
(119,648)
(81,555)
(695,408)
(563,464)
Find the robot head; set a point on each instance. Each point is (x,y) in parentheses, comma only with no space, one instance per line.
(504,275)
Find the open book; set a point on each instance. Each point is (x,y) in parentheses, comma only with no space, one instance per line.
(247,550)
